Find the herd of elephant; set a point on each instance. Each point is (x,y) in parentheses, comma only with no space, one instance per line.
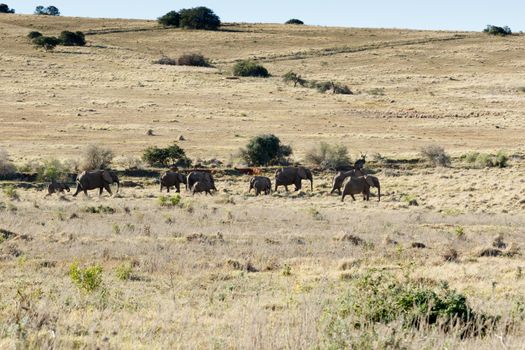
(352,182)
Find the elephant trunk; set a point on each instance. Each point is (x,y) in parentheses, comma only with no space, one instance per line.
(378,190)
(311,182)
(118,185)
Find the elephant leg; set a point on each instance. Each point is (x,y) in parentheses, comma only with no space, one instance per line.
(286,187)
(168,189)
(177,186)
(343,197)
(352,196)
(85,193)
(160,187)
(106,186)
(100,190)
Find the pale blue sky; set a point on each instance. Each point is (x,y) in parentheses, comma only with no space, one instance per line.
(417,14)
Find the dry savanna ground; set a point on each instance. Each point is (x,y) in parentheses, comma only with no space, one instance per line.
(237,271)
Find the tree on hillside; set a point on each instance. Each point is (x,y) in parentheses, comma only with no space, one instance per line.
(48,43)
(294,21)
(68,38)
(199,18)
(170,19)
(265,150)
(5,9)
(47,11)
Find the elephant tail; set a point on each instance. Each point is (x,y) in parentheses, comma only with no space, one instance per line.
(118,186)
(377,184)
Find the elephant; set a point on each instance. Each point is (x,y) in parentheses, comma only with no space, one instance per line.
(261,184)
(360,184)
(340,177)
(170,179)
(293,176)
(201,176)
(199,187)
(101,179)
(55,187)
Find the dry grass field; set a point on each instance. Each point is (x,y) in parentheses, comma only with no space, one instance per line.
(235,271)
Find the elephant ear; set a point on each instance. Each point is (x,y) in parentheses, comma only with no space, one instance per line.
(107,177)
(370,181)
(301,172)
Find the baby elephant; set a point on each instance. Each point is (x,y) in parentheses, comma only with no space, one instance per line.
(360,184)
(55,187)
(261,184)
(202,186)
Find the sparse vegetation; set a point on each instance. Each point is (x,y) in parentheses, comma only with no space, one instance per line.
(321,86)
(48,43)
(436,155)
(170,201)
(265,150)
(193,59)
(249,68)
(327,156)
(68,38)
(172,155)
(485,160)
(294,21)
(199,18)
(124,271)
(96,157)
(166,61)
(10,192)
(88,278)
(495,30)
(294,78)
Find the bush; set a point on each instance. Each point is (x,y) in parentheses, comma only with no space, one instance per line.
(378,297)
(170,201)
(124,272)
(199,18)
(485,160)
(495,30)
(46,42)
(51,170)
(436,155)
(34,34)
(193,59)
(294,21)
(328,156)
(129,162)
(6,166)
(166,61)
(265,150)
(47,11)
(170,19)
(294,78)
(5,9)
(68,38)
(88,278)
(163,157)
(96,157)
(249,68)
(336,88)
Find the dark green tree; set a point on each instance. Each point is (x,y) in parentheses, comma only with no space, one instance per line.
(170,19)
(46,42)
(163,157)
(34,35)
(248,68)
(199,18)
(294,21)
(68,38)
(265,150)
(47,11)
(5,9)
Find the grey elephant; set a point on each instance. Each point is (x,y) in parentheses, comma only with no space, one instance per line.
(55,187)
(101,179)
(199,187)
(360,184)
(201,176)
(261,184)
(171,178)
(293,176)
(340,177)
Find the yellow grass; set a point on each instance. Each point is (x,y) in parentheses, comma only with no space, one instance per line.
(190,285)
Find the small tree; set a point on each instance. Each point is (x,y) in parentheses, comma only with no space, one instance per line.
(265,150)
(47,42)
(495,30)
(294,21)
(328,156)
(436,155)
(68,38)
(96,157)
(163,157)
(248,68)
(170,19)
(34,34)
(199,18)
(294,78)
(5,9)
(47,11)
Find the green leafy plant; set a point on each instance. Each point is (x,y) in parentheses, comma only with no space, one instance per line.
(170,19)
(124,272)
(249,68)
(163,157)
(265,150)
(88,278)
(199,18)
(170,201)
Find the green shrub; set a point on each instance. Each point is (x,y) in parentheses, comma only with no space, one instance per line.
(486,160)
(68,38)
(265,150)
(6,166)
(47,11)
(294,21)
(48,43)
(163,157)
(124,272)
(170,19)
(166,61)
(88,279)
(436,155)
(5,9)
(96,157)
(34,34)
(170,201)
(248,68)
(294,78)
(193,59)
(328,156)
(378,297)
(199,18)
(10,192)
(495,30)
